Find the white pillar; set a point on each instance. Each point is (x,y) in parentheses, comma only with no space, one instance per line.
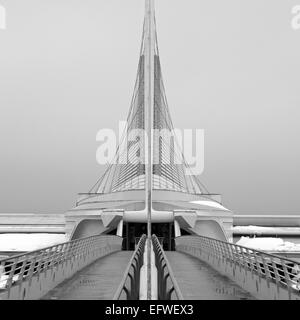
(149,41)
(120,228)
(177,229)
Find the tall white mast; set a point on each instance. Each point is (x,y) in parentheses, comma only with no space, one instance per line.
(149,47)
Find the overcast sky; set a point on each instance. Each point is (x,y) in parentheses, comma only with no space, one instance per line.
(67,69)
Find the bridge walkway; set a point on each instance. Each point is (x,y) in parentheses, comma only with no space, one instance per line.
(98,281)
(198,281)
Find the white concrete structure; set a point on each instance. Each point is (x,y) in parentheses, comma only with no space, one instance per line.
(163,186)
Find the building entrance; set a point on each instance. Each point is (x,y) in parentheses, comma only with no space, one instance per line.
(133,231)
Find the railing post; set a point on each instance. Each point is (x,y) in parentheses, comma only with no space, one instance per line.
(286,277)
(277,278)
(11,274)
(31,270)
(258,268)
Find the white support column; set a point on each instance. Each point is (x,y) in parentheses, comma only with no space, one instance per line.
(149,40)
(120,229)
(177,229)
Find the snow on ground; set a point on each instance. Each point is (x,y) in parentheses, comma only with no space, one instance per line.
(29,241)
(268,244)
(4,278)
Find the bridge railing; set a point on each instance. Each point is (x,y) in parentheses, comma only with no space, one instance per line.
(129,288)
(283,273)
(167,286)
(33,274)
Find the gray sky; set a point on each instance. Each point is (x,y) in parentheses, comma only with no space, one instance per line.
(67,69)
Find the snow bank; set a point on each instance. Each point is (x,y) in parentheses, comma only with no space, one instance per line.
(268,244)
(4,279)
(29,241)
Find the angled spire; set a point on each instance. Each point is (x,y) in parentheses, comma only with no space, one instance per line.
(149,110)
(149,78)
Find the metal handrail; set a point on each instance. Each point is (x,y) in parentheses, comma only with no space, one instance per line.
(166,282)
(15,269)
(284,272)
(130,284)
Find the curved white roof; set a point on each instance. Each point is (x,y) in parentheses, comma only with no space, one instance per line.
(210,203)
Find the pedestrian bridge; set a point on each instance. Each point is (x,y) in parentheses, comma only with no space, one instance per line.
(96,268)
